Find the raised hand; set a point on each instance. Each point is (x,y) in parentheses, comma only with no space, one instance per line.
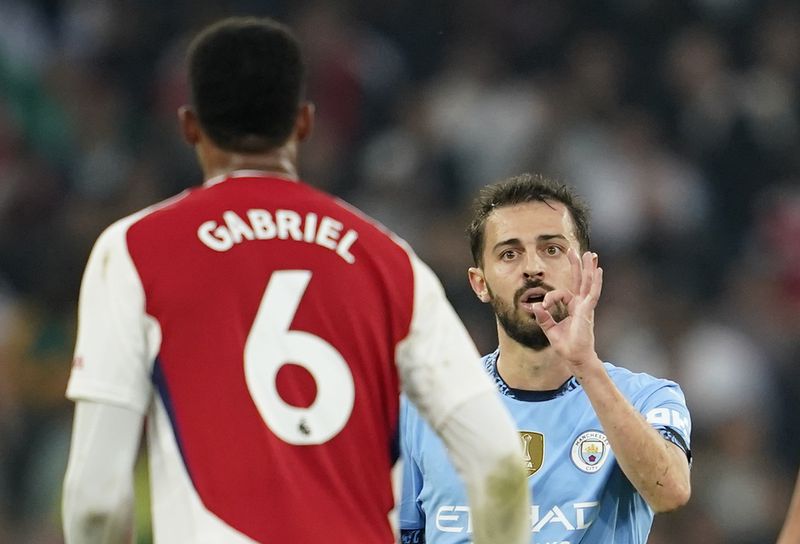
(573,336)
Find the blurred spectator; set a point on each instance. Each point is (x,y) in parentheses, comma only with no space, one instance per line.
(680,122)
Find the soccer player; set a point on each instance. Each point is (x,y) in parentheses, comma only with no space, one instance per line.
(264,330)
(790,532)
(604,447)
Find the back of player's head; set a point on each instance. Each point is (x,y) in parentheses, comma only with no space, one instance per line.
(518,190)
(247,77)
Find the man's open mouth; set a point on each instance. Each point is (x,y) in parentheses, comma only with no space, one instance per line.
(530,297)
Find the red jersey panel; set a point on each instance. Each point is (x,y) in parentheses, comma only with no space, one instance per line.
(280,310)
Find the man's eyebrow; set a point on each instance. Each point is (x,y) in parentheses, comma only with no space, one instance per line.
(509,242)
(548,237)
(540,238)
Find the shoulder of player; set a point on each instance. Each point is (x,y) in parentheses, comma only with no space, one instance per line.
(167,207)
(122,225)
(323,206)
(368,221)
(114,238)
(642,389)
(635,380)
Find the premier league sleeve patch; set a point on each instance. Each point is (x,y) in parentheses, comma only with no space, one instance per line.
(590,451)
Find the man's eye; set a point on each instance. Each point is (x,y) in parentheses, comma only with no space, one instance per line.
(553,250)
(508,254)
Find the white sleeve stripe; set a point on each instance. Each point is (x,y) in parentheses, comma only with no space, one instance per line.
(97,391)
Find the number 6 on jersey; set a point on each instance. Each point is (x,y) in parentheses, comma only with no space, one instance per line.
(271,344)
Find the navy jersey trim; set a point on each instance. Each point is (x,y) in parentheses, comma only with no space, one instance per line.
(490,362)
(160,383)
(671,435)
(412,536)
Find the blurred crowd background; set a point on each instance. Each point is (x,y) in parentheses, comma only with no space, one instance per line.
(679,121)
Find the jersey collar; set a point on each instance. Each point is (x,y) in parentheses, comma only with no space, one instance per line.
(246,174)
(490,363)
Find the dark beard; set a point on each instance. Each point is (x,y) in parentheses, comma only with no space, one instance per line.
(520,326)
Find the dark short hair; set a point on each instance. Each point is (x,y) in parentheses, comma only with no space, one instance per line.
(247,79)
(520,189)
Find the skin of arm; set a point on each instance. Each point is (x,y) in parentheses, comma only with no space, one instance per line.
(790,533)
(97,505)
(657,468)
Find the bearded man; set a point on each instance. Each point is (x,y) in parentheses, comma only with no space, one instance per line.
(605,448)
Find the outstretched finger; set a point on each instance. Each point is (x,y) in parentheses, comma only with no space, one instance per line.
(587,273)
(575,269)
(597,285)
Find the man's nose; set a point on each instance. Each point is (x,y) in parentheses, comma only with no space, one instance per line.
(534,267)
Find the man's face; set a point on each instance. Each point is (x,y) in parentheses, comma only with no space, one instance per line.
(524,256)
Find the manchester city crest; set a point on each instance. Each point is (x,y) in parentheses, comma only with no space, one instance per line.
(590,451)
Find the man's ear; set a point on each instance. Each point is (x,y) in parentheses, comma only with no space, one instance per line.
(189,124)
(478,283)
(304,124)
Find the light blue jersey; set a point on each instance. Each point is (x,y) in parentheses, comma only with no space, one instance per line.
(579,491)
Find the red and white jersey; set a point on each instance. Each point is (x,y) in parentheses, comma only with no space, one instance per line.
(265,328)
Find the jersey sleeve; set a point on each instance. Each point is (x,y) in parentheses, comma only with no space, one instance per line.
(97,503)
(665,409)
(439,365)
(117,341)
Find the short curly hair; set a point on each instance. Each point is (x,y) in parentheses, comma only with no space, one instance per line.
(520,189)
(247,79)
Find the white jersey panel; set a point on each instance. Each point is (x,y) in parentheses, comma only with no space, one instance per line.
(117,342)
(438,353)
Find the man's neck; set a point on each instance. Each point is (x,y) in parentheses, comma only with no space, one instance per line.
(524,368)
(282,161)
